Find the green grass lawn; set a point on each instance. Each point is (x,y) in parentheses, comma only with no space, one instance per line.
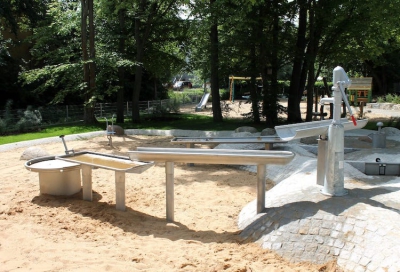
(48,132)
(167,122)
(171,121)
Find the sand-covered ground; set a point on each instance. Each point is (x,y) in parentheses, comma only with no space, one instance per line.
(56,233)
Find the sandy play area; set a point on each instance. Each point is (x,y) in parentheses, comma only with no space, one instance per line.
(55,233)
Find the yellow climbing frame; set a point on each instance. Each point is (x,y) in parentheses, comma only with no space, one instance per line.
(232,85)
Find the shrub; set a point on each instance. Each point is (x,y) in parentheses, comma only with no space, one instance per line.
(30,118)
(3,126)
(389,98)
(173,105)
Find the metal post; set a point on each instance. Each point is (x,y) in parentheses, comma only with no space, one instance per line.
(169,176)
(261,175)
(268,146)
(87,182)
(120,190)
(190,145)
(321,159)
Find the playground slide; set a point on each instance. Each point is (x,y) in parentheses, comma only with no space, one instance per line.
(203,102)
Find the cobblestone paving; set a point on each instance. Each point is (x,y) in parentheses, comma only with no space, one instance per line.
(360,230)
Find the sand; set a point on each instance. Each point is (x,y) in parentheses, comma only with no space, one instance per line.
(56,233)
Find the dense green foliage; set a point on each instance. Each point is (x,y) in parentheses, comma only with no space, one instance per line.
(140,45)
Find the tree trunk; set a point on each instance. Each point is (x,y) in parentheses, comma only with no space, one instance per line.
(139,68)
(142,33)
(295,92)
(214,62)
(85,55)
(310,92)
(272,113)
(88,56)
(121,70)
(263,61)
(253,90)
(310,55)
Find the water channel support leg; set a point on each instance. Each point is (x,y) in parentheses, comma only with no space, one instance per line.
(190,145)
(87,182)
(321,160)
(120,190)
(169,177)
(268,146)
(261,175)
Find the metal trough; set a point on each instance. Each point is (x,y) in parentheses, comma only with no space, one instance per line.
(105,161)
(211,156)
(121,165)
(308,129)
(376,168)
(191,141)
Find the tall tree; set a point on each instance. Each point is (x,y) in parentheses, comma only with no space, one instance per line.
(88,57)
(21,11)
(150,16)
(295,89)
(142,32)
(121,69)
(56,52)
(214,63)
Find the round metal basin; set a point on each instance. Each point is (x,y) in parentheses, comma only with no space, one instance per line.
(56,177)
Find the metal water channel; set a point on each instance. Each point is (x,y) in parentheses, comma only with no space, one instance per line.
(119,164)
(211,156)
(191,141)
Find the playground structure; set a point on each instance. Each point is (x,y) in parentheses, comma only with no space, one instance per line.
(203,102)
(360,90)
(232,85)
(330,165)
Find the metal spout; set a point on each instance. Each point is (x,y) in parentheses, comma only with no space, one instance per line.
(326,100)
